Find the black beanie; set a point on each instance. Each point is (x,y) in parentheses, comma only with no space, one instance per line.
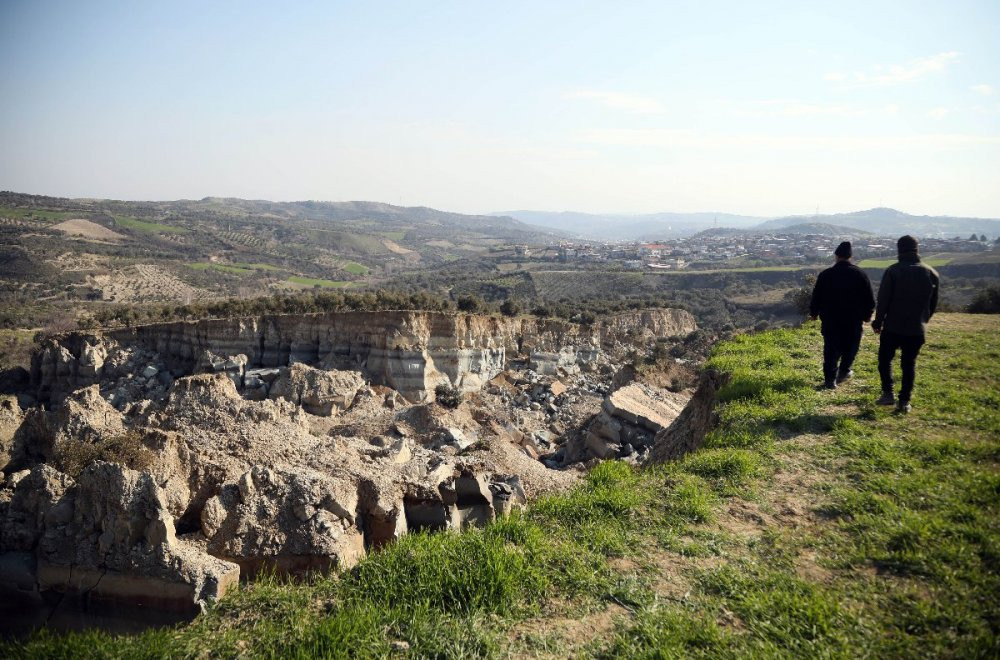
(906,244)
(844,250)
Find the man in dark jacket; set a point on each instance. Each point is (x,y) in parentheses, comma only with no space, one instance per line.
(907,298)
(843,300)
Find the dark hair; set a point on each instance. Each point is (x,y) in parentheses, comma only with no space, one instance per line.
(844,250)
(906,244)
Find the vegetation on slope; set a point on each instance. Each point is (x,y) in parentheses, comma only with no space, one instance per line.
(811,524)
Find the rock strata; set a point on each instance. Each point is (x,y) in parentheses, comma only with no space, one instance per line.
(411,352)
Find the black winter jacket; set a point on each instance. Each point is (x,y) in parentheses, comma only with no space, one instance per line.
(907,296)
(842,295)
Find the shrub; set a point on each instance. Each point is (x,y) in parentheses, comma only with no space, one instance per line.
(72,456)
(986,301)
(510,308)
(448,396)
(470,303)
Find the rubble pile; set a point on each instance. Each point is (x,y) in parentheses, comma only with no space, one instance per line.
(201,465)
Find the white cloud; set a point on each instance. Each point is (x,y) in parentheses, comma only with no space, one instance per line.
(895,74)
(939,113)
(984,89)
(619,101)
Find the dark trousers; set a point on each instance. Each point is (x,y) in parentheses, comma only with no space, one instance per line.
(909,346)
(840,345)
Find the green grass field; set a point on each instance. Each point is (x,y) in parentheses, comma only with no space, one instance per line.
(811,524)
(354,268)
(146,226)
(931,261)
(38,214)
(222,268)
(266,267)
(311,281)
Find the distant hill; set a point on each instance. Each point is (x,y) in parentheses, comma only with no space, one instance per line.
(821,228)
(141,251)
(626,227)
(825,229)
(886,221)
(652,226)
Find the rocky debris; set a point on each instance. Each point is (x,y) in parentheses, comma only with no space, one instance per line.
(126,373)
(688,430)
(259,381)
(267,460)
(234,366)
(318,392)
(629,419)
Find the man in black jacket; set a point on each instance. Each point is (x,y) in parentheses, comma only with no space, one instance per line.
(907,298)
(843,300)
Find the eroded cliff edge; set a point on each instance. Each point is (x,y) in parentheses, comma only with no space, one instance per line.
(165,461)
(410,351)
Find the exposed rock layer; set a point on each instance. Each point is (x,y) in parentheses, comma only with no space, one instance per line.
(409,351)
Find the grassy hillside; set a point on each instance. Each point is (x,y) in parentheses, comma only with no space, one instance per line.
(811,524)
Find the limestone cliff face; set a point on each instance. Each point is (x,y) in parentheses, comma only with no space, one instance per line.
(410,351)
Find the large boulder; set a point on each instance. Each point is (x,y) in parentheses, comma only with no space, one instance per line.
(293,522)
(85,416)
(688,431)
(319,392)
(24,519)
(110,535)
(11,417)
(629,419)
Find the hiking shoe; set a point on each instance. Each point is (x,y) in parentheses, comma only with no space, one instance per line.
(903,407)
(842,377)
(887,399)
(830,385)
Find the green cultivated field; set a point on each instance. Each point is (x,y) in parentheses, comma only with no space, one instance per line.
(811,524)
(267,267)
(38,214)
(148,227)
(326,284)
(222,268)
(354,267)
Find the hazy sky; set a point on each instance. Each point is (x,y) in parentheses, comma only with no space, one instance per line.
(750,107)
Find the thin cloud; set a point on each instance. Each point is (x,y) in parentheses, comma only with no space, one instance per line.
(882,76)
(619,101)
(984,89)
(939,113)
(796,108)
(687,139)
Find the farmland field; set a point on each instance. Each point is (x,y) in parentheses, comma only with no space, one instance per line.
(311,281)
(147,226)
